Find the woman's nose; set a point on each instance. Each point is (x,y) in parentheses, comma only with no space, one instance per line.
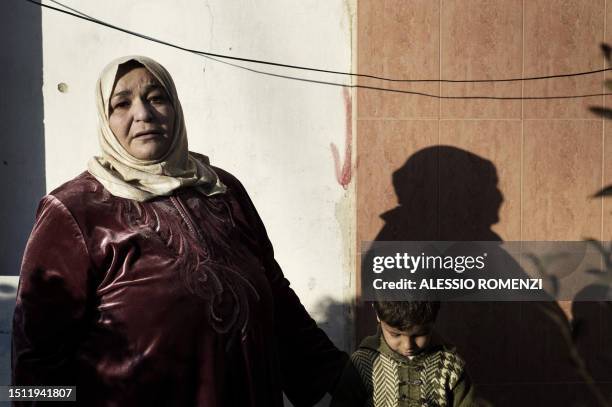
(142,111)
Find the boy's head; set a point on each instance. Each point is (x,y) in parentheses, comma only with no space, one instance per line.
(407,325)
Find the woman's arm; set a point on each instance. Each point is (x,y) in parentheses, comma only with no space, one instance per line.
(350,392)
(463,392)
(310,363)
(51,299)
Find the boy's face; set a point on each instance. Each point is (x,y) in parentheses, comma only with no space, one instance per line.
(407,343)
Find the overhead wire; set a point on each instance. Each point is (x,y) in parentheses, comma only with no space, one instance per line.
(79,14)
(409,92)
(220,59)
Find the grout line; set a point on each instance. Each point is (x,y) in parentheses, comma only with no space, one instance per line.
(573,119)
(439,62)
(584,119)
(603,173)
(351,328)
(521,178)
(439,115)
(603,149)
(603,127)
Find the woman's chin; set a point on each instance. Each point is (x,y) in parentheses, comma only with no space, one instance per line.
(148,150)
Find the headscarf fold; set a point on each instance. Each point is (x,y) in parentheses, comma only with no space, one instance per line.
(128,177)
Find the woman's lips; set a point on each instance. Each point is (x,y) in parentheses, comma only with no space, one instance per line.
(148,134)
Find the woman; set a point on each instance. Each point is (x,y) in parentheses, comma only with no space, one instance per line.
(150,280)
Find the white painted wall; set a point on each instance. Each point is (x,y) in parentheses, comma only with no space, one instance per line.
(8,290)
(274,134)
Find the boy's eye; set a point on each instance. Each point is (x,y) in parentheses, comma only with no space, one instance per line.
(395,335)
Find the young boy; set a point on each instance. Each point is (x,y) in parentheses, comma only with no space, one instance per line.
(405,363)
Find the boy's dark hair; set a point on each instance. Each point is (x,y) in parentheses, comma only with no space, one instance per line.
(403,315)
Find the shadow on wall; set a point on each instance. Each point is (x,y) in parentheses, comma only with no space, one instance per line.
(22,157)
(335,318)
(518,354)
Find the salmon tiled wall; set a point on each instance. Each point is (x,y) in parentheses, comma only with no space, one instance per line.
(551,156)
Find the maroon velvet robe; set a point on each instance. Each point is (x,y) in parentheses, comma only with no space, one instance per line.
(176,301)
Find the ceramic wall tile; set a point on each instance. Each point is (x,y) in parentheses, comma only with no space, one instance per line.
(481,39)
(562,168)
(562,37)
(399,40)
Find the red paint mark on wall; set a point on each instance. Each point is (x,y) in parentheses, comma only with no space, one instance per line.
(344,169)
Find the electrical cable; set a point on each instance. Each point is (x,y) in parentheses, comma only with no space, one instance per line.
(218,58)
(408,92)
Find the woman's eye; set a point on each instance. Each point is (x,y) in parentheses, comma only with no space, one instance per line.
(121,104)
(157,99)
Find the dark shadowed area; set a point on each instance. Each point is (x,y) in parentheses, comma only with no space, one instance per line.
(22,156)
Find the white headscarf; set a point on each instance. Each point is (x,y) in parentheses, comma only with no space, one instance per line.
(128,177)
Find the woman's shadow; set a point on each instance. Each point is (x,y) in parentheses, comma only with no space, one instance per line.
(517,353)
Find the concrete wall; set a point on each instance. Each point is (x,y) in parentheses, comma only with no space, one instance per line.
(274,134)
(8,289)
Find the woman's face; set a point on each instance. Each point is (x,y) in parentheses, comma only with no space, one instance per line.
(141,115)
